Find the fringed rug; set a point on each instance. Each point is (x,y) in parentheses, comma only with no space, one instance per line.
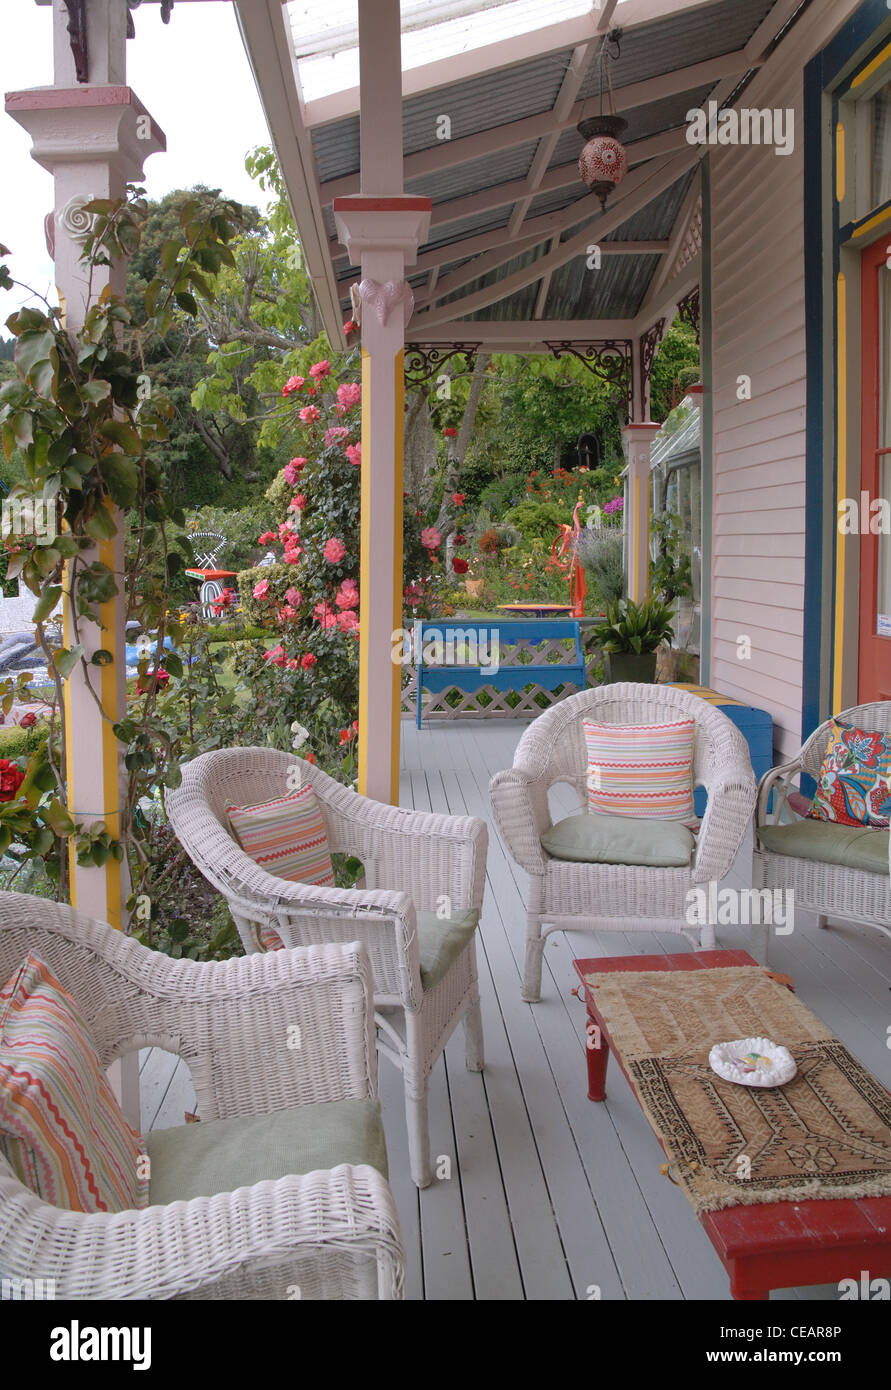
(824,1134)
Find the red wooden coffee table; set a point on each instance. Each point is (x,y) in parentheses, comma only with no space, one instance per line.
(774,1245)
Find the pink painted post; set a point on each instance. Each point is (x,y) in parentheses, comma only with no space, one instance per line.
(637,441)
(381,229)
(93,138)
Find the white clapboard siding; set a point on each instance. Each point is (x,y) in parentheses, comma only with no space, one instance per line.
(758,331)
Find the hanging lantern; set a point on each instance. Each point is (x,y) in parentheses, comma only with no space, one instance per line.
(603,163)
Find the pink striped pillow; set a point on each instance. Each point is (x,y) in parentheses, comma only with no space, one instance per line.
(643,770)
(61,1128)
(286,836)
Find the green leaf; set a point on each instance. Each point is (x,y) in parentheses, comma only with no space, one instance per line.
(58,818)
(101,525)
(33,347)
(121,477)
(95,391)
(187,302)
(123,434)
(173,664)
(170,254)
(65,660)
(46,603)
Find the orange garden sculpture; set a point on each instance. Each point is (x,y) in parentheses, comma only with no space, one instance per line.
(566,559)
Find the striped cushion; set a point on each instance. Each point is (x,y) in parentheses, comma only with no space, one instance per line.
(61,1129)
(641,770)
(286,837)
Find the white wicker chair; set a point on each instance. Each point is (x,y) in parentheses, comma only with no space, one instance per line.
(414,861)
(334,1233)
(612,897)
(824,889)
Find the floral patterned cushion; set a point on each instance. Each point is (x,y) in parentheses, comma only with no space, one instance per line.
(854,787)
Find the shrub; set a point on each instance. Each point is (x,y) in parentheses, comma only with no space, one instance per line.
(503,493)
(259,611)
(537,518)
(600,553)
(490,541)
(16,742)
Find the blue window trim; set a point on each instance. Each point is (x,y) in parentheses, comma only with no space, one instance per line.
(821,75)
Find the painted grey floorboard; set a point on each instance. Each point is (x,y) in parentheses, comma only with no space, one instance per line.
(548,1194)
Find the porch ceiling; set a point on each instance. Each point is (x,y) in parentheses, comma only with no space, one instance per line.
(510,214)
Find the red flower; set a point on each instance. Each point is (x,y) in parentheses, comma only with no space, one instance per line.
(11,778)
(460,538)
(450,433)
(458,498)
(307,661)
(156,679)
(310,757)
(27,720)
(350,327)
(460,566)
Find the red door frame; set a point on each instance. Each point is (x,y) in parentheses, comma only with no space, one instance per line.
(874,656)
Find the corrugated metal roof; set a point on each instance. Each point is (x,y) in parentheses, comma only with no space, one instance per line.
(476,174)
(525,258)
(615,291)
(676,41)
(478,104)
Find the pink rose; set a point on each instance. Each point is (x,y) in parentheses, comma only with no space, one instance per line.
(334,551)
(307,661)
(309,414)
(347,621)
(261,590)
(293,469)
(266,537)
(354,454)
(293,383)
(320,369)
(293,664)
(292,554)
(336,435)
(297,503)
(276,656)
(347,595)
(349,393)
(430,538)
(294,597)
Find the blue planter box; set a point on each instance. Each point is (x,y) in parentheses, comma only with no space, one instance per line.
(755,725)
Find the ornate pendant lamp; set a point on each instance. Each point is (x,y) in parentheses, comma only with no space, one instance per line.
(603,163)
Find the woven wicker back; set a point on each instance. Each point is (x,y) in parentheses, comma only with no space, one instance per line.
(555,742)
(874,718)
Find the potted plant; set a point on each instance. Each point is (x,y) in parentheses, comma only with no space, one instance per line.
(629,636)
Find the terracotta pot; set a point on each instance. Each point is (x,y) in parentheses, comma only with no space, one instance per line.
(474,586)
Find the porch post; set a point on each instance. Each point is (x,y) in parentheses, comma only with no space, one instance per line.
(93,138)
(384,234)
(636,441)
(381,229)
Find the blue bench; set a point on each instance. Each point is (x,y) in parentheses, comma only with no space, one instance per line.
(451,645)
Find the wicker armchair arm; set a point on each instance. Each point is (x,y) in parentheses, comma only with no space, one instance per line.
(779,780)
(731,800)
(519,803)
(426,853)
(167,1251)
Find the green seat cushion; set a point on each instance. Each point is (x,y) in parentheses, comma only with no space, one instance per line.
(441,941)
(213,1156)
(597,839)
(848,846)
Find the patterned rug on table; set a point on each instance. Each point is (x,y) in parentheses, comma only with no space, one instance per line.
(824,1134)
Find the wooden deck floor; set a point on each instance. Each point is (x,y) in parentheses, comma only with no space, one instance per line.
(549,1196)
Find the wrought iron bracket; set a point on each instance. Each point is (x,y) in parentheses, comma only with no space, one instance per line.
(689,310)
(424,361)
(609,359)
(649,342)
